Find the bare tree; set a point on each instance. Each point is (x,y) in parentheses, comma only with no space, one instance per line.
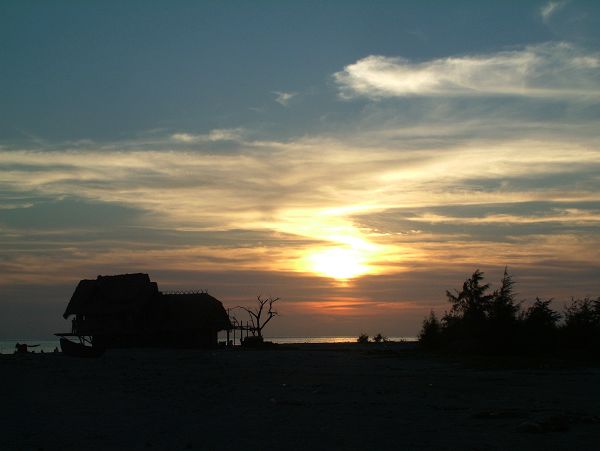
(261,314)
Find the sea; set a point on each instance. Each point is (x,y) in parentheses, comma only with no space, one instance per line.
(45,345)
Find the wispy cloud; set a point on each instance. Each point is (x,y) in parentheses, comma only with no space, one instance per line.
(422,183)
(545,70)
(252,215)
(551,8)
(418,34)
(215,135)
(277,185)
(185,137)
(284,98)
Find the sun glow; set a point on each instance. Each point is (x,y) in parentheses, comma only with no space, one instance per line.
(345,251)
(339,263)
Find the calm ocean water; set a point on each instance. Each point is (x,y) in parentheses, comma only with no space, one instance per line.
(8,346)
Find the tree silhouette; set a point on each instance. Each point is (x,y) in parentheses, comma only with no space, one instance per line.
(467,316)
(502,316)
(540,317)
(471,303)
(582,323)
(379,338)
(431,331)
(539,327)
(503,308)
(496,323)
(362,338)
(261,314)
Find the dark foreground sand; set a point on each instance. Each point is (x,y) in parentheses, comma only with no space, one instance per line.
(308,397)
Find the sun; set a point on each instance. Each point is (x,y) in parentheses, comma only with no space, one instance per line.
(339,263)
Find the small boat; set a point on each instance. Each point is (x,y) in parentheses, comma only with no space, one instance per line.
(79,349)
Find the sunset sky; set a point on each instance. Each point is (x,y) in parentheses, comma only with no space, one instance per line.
(355,159)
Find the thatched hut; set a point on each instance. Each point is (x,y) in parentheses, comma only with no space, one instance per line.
(191,319)
(129,310)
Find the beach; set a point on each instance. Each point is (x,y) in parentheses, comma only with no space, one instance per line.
(308,396)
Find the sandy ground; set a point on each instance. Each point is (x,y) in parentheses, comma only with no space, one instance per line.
(293,397)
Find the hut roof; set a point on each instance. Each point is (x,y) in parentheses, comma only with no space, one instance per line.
(193,310)
(111,295)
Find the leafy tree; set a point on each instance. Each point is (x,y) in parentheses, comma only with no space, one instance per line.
(502,317)
(431,332)
(503,308)
(582,323)
(540,317)
(466,321)
(471,303)
(583,313)
(539,327)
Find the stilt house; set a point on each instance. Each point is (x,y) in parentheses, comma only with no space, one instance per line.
(129,310)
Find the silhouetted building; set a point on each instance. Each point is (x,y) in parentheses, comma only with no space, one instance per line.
(129,310)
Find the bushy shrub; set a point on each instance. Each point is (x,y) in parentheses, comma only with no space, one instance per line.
(431,332)
(539,327)
(582,324)
(379,338)
(363,338)
(479,318)
(540,317)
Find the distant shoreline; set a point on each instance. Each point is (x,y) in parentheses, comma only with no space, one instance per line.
(7,346)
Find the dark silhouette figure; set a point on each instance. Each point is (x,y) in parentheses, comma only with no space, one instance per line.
(128,310)
(261,315)
(22,348)
(539,327)
(484,322)
(431,332)
(582,324)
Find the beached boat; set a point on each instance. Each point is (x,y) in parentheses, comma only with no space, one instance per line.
(79,349)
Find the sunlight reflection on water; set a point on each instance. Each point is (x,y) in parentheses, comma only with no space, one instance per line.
(286,340)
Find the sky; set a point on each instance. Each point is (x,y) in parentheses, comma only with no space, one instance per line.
(355,159)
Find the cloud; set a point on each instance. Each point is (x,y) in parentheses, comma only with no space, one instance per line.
(276,186)
(248,217)
(431,184)
(284,98)
(185,137)
(550,8)
(499,222)
(215,135)
(558,70)
(67,213)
